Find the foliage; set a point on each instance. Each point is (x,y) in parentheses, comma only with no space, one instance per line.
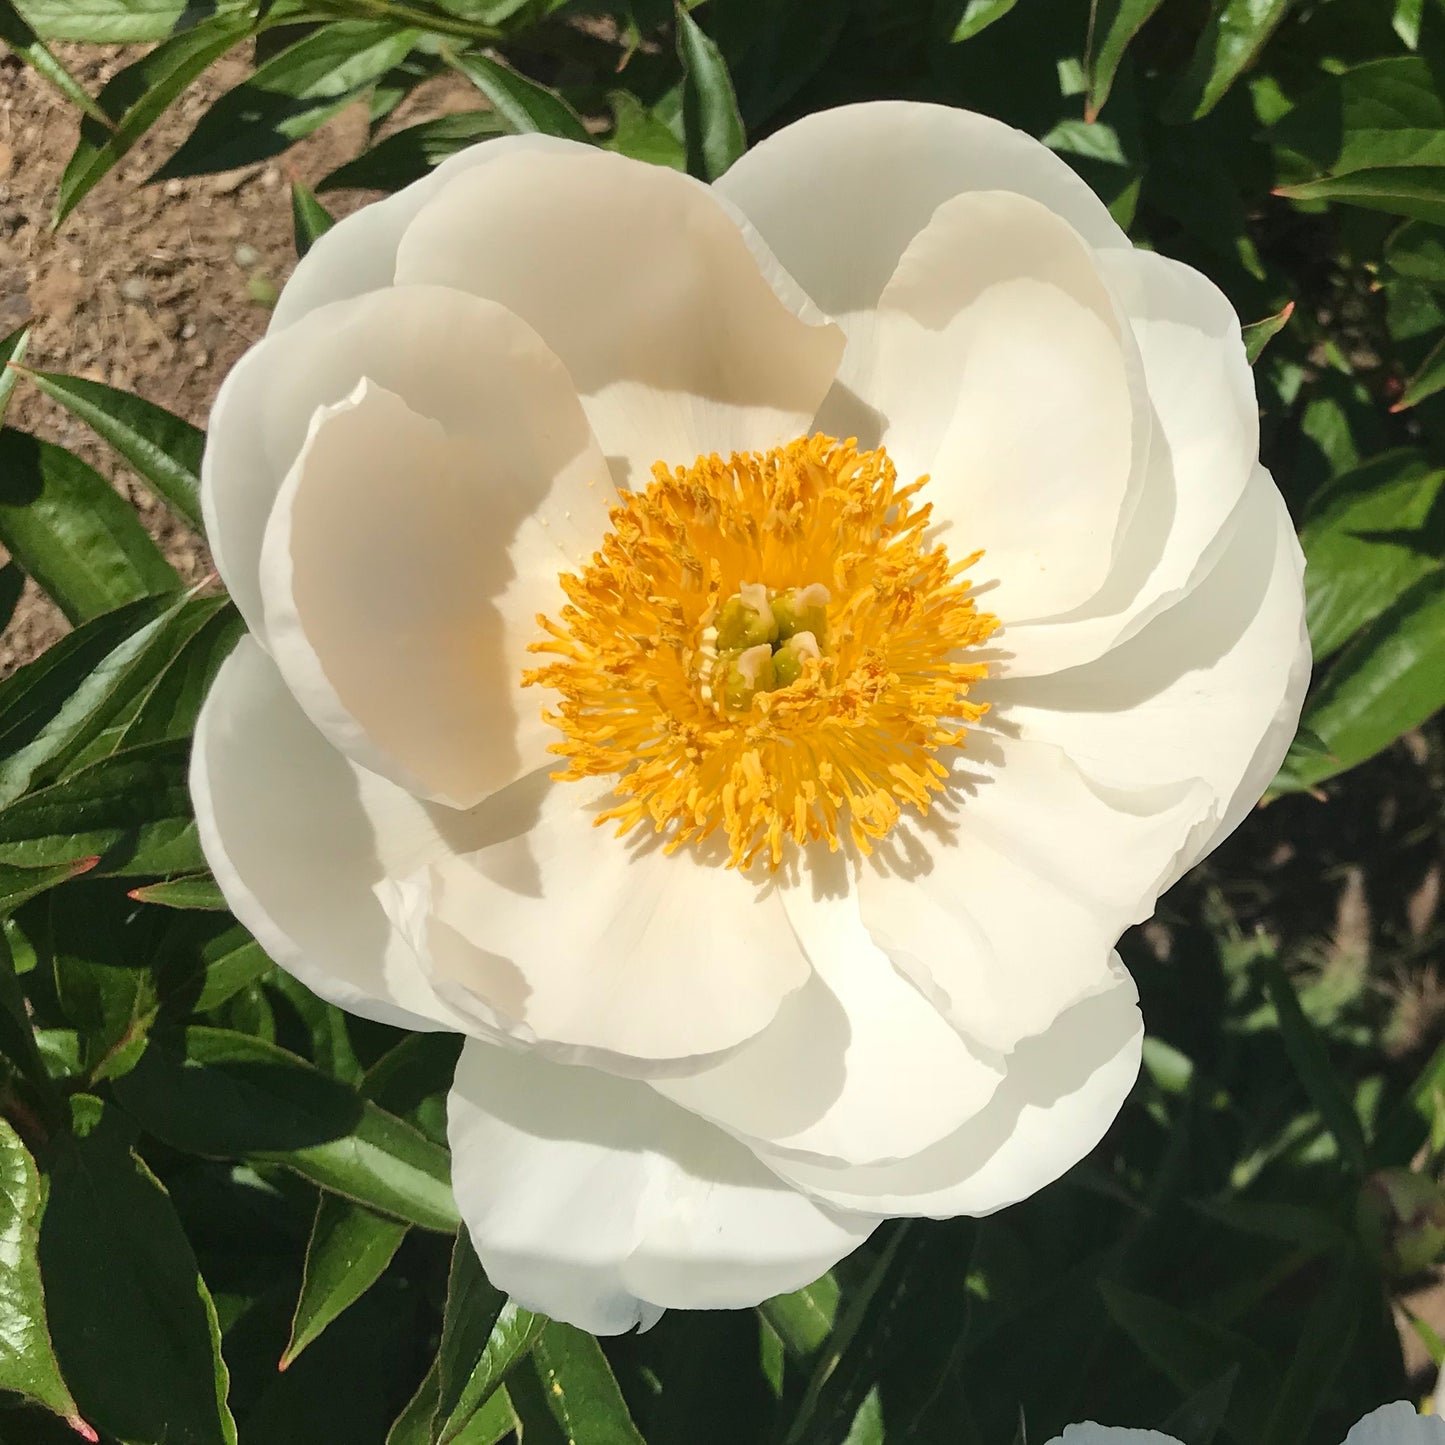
(224,1210)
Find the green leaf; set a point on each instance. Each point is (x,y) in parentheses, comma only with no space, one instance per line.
(577,1391)
(1390,679)
(123,22)
(804,1319)
(310,220)
(349,1249)
(164,451)
(494,1422)
(1416,251)
(1232,39)
(73,532)
(1311,1060)
(711,124)
(198,892)
(1429,378)
(136,97)
(12,353)
(978,15)
(483,1335)
(1400,190)
(1112,25)
(27,1357)
(17,1037)
(17,34)
(291,95)
(133,1323)
(131,810)
(524,105)
(1199,1418)
(1258,334)
(408,155)
(225,1095)
(18,884)
(1368,537)
(642,133)
(203,961)
(413,1079)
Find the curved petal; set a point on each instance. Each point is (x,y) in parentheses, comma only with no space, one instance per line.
(606,949)
(403,569)
(858,1065)
(595,1201)
(1397,1424)
(1061,1092)
(1092,1434)
(358,254)
(442,352)
(1004,904)
(298,839)
(1205,446)
(677,339)
(998,363)
(874,173)
(1211,689)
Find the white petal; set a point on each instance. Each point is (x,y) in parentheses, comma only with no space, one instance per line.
(298,838)
(838,195)
(644,285)
(595,1201)
(1003,905)
(998,363)
(358,254)
(404,566)
(1204,448)
(1092,1434)
(1059,1095)
(858,1065)
(1211,689)
(446,354)
(604,949)
(1397,1424)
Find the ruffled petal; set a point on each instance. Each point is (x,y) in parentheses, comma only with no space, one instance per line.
(1061,1092)
(644,285)
(1004,904)
(858,1065)
(605,949)
(1397,1424)
(839,195)
(298,838)
(1211,689)
(595,1201)
(403,569)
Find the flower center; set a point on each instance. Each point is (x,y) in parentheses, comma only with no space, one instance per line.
(767,645)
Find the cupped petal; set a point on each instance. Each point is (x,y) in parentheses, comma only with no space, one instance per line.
(595,1201)
(1212,689)
(677,336)
(1004,904)
(1397,1424)
(1061,1092)
(998,363)
(403,569)
(858,1065)
(298,838)
(1204,448)
(605,949)
(839,195)
(447,355)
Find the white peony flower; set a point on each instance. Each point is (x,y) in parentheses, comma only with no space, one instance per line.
(530,501)
(1396,1424)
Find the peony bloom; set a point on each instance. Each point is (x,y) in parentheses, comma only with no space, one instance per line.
(873,544)
(1396,1424)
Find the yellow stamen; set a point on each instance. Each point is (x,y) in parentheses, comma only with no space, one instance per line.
(820,738)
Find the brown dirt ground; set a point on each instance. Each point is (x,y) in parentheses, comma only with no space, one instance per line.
(148,287)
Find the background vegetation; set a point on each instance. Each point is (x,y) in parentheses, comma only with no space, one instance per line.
(206,1173)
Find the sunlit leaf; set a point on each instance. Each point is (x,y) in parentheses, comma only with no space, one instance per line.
(523,104)
(711,124)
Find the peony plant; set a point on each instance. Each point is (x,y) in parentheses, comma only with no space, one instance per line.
(741,655)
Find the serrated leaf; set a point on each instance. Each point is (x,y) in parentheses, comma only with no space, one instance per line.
(132,1320)
(16,32)
(711,124)
(225,1095)
(163,449)
(1232,39)
(73,532)
(310,220)
(12,353)
(524,105)
(577,1390)
(1112,25)
(408,155)
(27,1357)
(136,97)
(1258,334)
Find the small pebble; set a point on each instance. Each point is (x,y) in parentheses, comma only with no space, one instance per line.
(173,187)
(188,330)
(134,288)
(271,177)
(246,256)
